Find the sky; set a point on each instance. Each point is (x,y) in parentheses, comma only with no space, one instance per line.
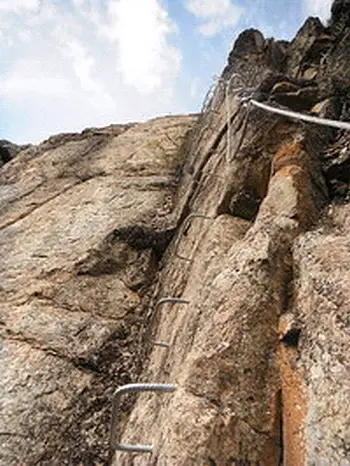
(70,64)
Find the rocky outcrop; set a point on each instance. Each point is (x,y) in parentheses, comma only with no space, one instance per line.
(95,230)
(8,151)
(259,353)
(84,222)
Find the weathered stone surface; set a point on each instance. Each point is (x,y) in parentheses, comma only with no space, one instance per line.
(94,233)
(305,49)
(322,304)
(85,219)
(223,356)
(246,353)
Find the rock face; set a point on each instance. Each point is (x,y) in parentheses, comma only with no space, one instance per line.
(246,218)
(84,222)
(259,355)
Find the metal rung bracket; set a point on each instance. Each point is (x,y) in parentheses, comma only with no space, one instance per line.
(160,303)
(161,344)
(186,222)
(170,300)
(114,444)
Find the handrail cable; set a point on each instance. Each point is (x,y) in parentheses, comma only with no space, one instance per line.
(301,116)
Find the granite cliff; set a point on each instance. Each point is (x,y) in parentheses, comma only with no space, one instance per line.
(94,232)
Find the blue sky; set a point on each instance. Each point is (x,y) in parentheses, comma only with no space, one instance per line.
(70,64)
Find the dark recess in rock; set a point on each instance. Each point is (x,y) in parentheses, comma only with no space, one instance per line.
(340,13)
(142,237)
(291,338)
(5,155)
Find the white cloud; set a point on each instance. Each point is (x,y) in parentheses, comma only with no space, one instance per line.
(320,8)
(217,15)
(196,87)
(19,6)
(82,63)
(141,28)
(206,8)
(30,79)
